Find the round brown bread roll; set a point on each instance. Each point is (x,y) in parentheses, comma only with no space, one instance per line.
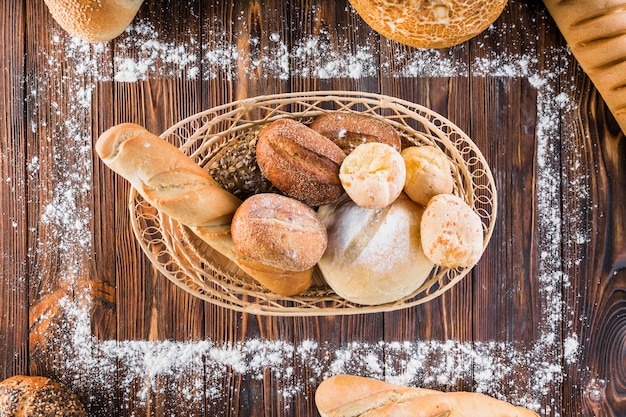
(35,396)
(373,175)
(429,23)
(427,173)
(349,130)
(272,232)
(94,21)
(300,162)
(452,233)
(374,256)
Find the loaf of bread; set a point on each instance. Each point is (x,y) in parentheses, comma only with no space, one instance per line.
(36,396)
(349,130)
(595,31)
(373,175)
(452,233)
(273,233)
(374,256)
(427,173)
(349,396)
(94,21)
(174,184)
(300,162)
(429,24)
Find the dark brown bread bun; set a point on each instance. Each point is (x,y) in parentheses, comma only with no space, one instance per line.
(35,396)
(300,162)
(349,130)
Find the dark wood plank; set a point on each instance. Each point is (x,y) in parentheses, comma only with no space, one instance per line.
(13,198)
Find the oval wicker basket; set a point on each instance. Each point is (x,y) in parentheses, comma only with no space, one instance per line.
(192,265)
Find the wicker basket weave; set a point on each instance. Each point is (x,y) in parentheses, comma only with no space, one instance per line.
(189,263)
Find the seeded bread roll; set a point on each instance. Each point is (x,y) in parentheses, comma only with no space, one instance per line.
(94,21)
(595,31)
(274,233)
(429,23)
(373,175)
(300,162)
(350,396)
(35,396)
(427,173)
(349,130)
(374,256)
(452,233)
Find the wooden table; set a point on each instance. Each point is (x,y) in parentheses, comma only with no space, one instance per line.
(540,321)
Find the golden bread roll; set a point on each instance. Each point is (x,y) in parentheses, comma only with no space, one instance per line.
(373,175)
(452,233)
(374,256)
(595,31)
(300,162)
(429,23)
(274,232)
(166,177)
(349,130)
(174,184)
(349,396)
(33,396)
(427,173)
(94,21)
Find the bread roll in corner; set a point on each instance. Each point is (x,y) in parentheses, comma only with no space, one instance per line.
(374,256)
(94,21)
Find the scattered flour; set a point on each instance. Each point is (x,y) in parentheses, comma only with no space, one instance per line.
(432,363)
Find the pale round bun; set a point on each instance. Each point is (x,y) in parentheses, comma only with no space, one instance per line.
(32,396)
(427,173)
(452,233)
(275,233)
(429,24)
(373,175)
(94,21)
(374,256)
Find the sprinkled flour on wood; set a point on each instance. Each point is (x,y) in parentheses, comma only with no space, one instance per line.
(483,364)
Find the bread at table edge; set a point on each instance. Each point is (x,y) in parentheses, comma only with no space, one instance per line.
(348,396)
(595,31)
(37,396)
(94,21)
(174,184)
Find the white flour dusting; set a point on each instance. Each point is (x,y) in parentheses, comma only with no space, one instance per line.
(411,362)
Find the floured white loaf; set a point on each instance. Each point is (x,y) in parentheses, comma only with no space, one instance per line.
(374,256)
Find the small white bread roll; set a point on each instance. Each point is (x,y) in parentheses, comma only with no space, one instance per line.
(429,23)
(373,175)
(32,396)
(452,233)
(94,21)
(427,173)
(374,256)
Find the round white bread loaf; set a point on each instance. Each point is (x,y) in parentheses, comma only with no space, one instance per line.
(94,21)
(373,175)
(427,173)
(374,256)
(452,233)
(36,396)
(429,23)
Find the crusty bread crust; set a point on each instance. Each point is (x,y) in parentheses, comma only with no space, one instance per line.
(429,24)
(595,31)
(34,396)
(94,21)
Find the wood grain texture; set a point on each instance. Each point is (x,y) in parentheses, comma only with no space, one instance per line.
(500,312)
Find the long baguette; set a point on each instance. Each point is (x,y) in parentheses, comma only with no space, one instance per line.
(595,31)
(174,184)
(353,396)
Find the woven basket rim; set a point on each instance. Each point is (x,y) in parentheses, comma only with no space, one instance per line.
(170,247)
